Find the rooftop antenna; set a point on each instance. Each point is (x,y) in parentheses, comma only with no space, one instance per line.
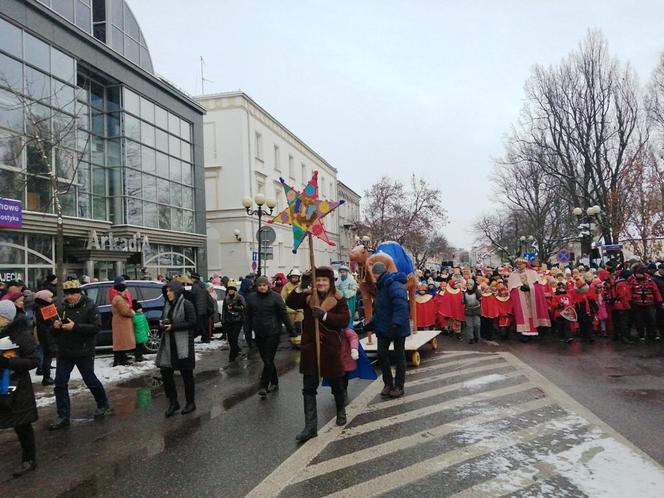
(203,78)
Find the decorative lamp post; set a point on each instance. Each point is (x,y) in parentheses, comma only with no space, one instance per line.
(260,201)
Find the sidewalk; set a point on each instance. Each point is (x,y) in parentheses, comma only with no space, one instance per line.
(82,459)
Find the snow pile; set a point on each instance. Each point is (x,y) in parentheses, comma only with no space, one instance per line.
(482,381)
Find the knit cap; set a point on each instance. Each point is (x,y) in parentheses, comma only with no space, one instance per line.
(7,310)
(378,268)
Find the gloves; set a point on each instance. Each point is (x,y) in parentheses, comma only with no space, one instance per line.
(525,288)
(318,312)
(354,354)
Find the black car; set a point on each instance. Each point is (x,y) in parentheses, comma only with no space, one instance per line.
(148,293)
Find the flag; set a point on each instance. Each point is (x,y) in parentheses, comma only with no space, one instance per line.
(49,312)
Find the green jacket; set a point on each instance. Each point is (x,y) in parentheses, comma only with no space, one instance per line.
(141,328)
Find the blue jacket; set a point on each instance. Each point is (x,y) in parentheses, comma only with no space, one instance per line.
(391,306)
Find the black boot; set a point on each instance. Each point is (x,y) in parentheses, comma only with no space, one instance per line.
(138,353)
(340,401)
(173,408)
(310,419)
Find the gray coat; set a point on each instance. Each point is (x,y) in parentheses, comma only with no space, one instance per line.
(176,349)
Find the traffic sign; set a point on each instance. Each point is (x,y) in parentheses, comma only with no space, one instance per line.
(266,235)
(563,256)
(254,256)
(253,265)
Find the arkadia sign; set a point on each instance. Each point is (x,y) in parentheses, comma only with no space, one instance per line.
(137,243)
(11,213)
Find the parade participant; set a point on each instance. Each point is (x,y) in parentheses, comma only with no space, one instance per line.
(141,331)
(528,301)
(75,329)
(472,308)
(505,317)
(278,282)
(296,316)
(332,315)
(122,325)
(176,349)
(391,323)
(347,285)
(18,355)
(601,293)
(426,308)
(44,298)
(233,318)
(645,297)
(658,278)
(488,311)
(266,312)
(561,302)
(585,305)
(356,363)
(622,306)
(203,311)
(450,308)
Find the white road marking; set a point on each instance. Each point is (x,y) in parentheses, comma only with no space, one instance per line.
(456,373)
(447,364)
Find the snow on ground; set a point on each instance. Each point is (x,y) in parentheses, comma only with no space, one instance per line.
(482,381)
(108,374)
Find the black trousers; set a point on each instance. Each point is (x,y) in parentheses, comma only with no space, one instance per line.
(232,331)
(267,347)
(202,323)
(169,384)
(26,436)
(310,385)
(644,320)
(563,328)
(486,328)
(400,360)
(622,324)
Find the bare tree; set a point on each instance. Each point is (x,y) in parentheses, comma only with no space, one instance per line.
(49,145)
(583,117)
(501,230)
(426,246)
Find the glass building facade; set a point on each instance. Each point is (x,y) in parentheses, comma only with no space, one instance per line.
(108,145)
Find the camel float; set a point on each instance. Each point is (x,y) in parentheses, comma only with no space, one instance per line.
(395,259)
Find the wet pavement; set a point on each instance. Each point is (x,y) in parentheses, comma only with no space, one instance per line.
(88,456)
(236,443)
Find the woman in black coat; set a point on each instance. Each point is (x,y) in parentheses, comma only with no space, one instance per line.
(176,350)
(19,410)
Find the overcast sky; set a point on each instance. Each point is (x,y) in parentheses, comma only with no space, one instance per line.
(392,87)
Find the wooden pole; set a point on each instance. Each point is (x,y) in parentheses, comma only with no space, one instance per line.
(314,298)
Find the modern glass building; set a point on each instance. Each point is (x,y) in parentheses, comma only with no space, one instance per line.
(88,130)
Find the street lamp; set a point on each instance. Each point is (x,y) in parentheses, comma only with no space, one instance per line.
(260,201)
(586,227)
(236,232)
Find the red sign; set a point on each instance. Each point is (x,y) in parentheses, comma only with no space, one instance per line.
(49,312)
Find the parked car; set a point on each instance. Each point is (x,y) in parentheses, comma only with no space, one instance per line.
(148,293)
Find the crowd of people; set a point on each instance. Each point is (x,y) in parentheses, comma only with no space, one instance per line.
(622,302)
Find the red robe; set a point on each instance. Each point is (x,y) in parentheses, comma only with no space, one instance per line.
(450,306)
(559,302)
(426,310)
(505,311)
(489,305)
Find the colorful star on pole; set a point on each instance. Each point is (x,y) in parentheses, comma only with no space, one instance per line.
(305,212)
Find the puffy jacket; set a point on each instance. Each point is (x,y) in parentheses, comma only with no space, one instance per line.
(234,308)
(622,295)
(390,314)
(644,292)
(79,341)
(199,298)
(23,409)
(266,311)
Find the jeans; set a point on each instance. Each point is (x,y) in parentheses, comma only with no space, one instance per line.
(232,331)
(644,320)
(169,384)
(86,366)
(400,357)
(26,436)
(267,347)
(473,324)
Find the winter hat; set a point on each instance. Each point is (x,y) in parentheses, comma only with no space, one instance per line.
(379,268)
(118,280)
(176,287)
(231,285)
(50,278)
(7,310)
(72,286)
(262,280)
(327,272)
(44,295)
(12,296)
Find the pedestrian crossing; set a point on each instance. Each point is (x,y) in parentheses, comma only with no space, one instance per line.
(470,425)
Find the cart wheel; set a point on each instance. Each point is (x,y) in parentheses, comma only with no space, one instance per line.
(434,343)
(415,359)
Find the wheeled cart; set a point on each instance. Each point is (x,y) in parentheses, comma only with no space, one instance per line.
(413,344)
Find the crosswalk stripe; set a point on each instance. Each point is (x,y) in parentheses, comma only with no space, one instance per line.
(448,364)
(430,410)
(422,469)
(433,392)
(457,373)
(382,449)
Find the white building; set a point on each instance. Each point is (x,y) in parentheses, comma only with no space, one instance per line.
(349,219)
(246,151)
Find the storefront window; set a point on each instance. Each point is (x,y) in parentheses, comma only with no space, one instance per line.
(39,194)
(9,254)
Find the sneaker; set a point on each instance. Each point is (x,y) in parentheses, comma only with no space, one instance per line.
(47,381)
(60,423)
(273,388)
(397,392)
(386,391)
(101,412)
(262,392)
